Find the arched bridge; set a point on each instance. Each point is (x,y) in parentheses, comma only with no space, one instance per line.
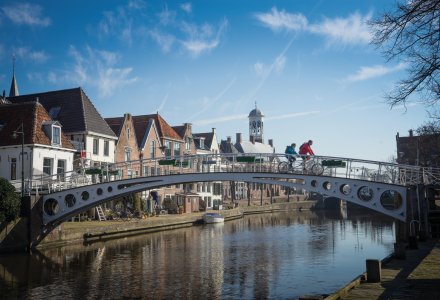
(380,186)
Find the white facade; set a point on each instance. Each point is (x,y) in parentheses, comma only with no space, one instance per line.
(39,162)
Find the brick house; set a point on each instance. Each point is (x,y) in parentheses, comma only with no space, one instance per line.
(423,150)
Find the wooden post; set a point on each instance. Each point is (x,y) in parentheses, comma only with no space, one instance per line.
(374,272)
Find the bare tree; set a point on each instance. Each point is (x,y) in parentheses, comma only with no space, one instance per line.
(411,33)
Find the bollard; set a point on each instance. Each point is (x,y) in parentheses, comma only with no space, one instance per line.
(412,242)
(399,250)
(373,270)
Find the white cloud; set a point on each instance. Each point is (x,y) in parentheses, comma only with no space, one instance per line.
(293,115)
(186,7)
(338,31)
(96,68)
(259,68)
(279,20)
(347,31)
(366,73)
(166,16)
(29,55)
(26,14)
(277,65)
(164,40)
(202,39)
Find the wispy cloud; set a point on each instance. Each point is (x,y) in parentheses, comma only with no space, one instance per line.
(167,16)
(351,30)
(162,104)
(164,40)
(28,55)
(282,20)
(26,14)
(209,103)
(293,115)
(277,66)
(346,31)
(96,68)
(202,38)
(221,119)
(186,7)
(365,73)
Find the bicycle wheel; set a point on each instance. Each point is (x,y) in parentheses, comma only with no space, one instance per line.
(317,169)
(283,167)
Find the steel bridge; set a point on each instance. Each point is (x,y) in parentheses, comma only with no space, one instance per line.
(380,186)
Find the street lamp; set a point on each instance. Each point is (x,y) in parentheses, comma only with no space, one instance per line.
(20,130)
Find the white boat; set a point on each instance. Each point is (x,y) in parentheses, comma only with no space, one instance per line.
(210,218)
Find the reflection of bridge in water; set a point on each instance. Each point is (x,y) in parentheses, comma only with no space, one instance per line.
(383,187)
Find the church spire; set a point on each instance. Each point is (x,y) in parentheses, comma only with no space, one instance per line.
(14,87)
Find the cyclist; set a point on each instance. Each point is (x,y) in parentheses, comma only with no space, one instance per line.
(306,149)
(291,153)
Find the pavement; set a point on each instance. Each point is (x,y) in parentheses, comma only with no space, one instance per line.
(415,277)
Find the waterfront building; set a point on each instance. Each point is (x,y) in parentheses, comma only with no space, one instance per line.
(211,192)
(39,145)
(83,125)
(422,150)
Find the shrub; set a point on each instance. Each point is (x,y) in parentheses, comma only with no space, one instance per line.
(9,202)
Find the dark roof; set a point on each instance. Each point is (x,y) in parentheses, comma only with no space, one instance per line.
(209,136)
(227,147)
(72,108)
(164,129)
(180,130)
(256,113)
(32,115)
(115,124)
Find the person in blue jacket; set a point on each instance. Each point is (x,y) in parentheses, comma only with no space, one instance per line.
(291,153)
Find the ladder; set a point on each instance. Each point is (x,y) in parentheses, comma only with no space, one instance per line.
(100,213)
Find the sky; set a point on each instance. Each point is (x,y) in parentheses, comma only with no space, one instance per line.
(308,66)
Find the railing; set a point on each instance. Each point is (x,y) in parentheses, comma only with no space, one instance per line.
(259,162)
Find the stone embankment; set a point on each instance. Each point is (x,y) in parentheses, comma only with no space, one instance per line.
(91,231)
(415,277)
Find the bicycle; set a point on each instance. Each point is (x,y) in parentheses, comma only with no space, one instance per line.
(290,167)
(312,166)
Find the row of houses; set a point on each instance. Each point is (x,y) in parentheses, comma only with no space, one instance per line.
(53,133)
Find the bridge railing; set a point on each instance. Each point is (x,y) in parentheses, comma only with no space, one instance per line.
(257,162)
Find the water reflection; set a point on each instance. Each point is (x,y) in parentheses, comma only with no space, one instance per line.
(278,255)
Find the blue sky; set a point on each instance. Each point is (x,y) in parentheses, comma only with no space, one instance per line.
(308,65)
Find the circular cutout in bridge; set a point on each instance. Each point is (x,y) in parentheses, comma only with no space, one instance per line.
(99,191)
(314,183)
(109,189)
(51,207)
(70,200)
(327,185)
(345,189)
(365,193)
(85,195)
(391,200)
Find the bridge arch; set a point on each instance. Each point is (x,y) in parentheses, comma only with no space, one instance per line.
(389,199)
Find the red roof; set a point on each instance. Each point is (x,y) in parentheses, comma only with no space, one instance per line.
(163,128)
(31,115)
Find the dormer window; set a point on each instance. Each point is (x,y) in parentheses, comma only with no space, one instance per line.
(56,135)
(202,143)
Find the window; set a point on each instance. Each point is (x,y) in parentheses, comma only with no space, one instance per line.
(176,149)
(106,148)
(47,166)
(61,169)
(167,148)
(202,144)
(153,149)
(145,171)
(128,133)
(13,168)
(187,143)
(95,146)
(127,154)
(56,135)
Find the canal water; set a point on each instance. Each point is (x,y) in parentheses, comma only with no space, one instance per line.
(267,256)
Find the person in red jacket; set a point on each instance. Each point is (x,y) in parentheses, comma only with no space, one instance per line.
(306,149)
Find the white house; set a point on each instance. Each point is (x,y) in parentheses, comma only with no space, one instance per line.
(32,144)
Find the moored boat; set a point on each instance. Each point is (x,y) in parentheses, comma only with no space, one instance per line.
(213,218)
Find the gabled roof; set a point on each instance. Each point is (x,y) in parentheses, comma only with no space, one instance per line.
(115,124)
(32,115)
(163,128)
(209,136)
(227,147)
(180,130)
(249,147)
(72,108)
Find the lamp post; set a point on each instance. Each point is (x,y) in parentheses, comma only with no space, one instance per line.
(20,130)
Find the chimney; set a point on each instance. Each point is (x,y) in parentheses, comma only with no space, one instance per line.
(229,139)
(189,126)
(214,131)
(37,99)
(410,132)
(270,142)
(238,138)
(252,139)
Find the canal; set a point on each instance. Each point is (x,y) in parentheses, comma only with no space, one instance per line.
(266,256)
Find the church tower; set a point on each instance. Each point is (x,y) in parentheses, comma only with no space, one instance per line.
(256,125)
(14,87)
